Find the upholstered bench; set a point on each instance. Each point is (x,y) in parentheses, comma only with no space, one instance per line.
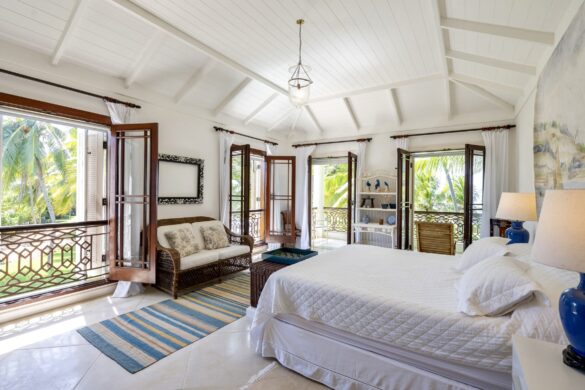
(176,274)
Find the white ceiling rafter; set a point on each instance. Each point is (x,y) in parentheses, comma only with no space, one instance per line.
(507,65)
(232,95)
(352,114)
(293,125)
(261,107)
(194,43)
(442,40)
(313,118)
(486,95)
(67,33)
(395,105)
(143,58)
(195,79)
(547,38)
(486,83)
(281,119)
(362,91)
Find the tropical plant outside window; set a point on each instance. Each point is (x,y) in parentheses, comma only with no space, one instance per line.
(439,183)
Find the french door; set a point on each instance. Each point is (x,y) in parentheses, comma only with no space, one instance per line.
(351,194)
(404,198)
(240,189)
(133,150)
(473,192)
(280,199)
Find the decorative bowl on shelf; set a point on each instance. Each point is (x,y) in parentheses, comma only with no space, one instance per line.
(392,205)
(385,205)
(391,220)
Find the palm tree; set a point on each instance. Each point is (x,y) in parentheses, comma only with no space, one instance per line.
(32,151)
(452,166)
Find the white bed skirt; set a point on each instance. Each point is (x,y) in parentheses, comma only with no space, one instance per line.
(342,366)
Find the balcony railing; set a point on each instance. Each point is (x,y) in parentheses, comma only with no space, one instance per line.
(332,219)
(41,258)
(448,217)
(256,228)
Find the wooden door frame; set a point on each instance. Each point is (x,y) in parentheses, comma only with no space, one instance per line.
(310,198)
(148,239)
(468,191)
(400,201)
(351,187)
(284,239)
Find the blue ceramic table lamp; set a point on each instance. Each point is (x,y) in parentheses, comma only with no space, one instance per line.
(560,243)
(517,207)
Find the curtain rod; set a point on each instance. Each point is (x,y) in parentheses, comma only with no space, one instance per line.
(505,127)
(333,142)
(95,95)
(245,135)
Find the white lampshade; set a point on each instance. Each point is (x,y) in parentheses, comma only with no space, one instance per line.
(299,96)
(517,206)
(560,237)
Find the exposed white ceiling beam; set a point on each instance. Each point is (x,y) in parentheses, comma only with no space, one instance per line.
(281,119)
(438,7)
(313,118)
(293,126)
(232,95)
(396,84)
(513,66)
(395,105)
(547,38)
(72,24)
(143,58)
(486,83)
(194,43)
(486,95)
(195,79)
(352,114)
(259,109)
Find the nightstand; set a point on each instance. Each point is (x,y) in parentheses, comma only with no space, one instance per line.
(538,365)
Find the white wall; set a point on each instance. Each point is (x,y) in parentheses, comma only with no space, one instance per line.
(522,155)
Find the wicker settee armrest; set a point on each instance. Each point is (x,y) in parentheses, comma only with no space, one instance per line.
(168,258)
(241,239)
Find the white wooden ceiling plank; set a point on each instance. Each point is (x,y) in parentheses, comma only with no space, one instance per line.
(352,113)
(486,95)
(512,66)
(259,109)
(281,119)
(24,22)
(195,79)
(33,14)
(232,95)
(546,38)
(12,32)
(438,7)
(142,60)
(179,34)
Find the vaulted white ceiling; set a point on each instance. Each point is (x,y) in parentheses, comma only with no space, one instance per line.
(377,64)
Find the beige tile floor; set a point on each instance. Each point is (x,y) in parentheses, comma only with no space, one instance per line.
(45,352)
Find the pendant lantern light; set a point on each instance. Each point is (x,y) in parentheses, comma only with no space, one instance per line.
(300,82)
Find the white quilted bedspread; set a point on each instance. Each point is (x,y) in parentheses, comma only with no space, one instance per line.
(405,299)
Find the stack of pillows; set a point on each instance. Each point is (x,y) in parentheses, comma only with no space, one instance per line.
(495,279)
(184,241)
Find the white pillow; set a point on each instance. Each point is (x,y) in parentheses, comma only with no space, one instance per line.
(494,287)
(481,250)
(520,251)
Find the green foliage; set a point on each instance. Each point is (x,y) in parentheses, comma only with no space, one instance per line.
(335,185)
(39,172)
(432,195)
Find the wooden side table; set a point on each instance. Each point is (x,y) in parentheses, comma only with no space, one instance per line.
(538,365)
(259,274)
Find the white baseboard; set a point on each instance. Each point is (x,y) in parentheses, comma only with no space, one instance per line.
(33,308)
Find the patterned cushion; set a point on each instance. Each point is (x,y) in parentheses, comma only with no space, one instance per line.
(183,241)
(214,237)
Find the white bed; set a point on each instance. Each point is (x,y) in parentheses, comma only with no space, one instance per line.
(370,317)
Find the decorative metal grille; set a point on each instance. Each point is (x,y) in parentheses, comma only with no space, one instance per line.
(35,258)
(448,217)
(256,228)
(334,219)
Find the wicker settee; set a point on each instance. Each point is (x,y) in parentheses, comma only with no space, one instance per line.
(177,275)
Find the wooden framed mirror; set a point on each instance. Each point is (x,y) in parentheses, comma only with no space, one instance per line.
(180,180)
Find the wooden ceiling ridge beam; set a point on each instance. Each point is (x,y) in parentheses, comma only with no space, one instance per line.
(259,109)
(352,114)
(232,95)
(195,79)
(486,95)
(486,83)
(395,103)
(439,10)
(543,37)
(160,24)
(281,119)
(313,118)
(67,33)
(144,57)
(507,65)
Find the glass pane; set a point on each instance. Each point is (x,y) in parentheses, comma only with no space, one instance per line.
(281,197)
(477,199)
(256,199)
(236,189)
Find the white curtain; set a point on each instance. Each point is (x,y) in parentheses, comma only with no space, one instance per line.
(361,172)
(302,200)
(402,143)
(225,144)
(496,175)
(121,114)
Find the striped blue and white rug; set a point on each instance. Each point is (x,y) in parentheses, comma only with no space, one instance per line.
(140,338)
